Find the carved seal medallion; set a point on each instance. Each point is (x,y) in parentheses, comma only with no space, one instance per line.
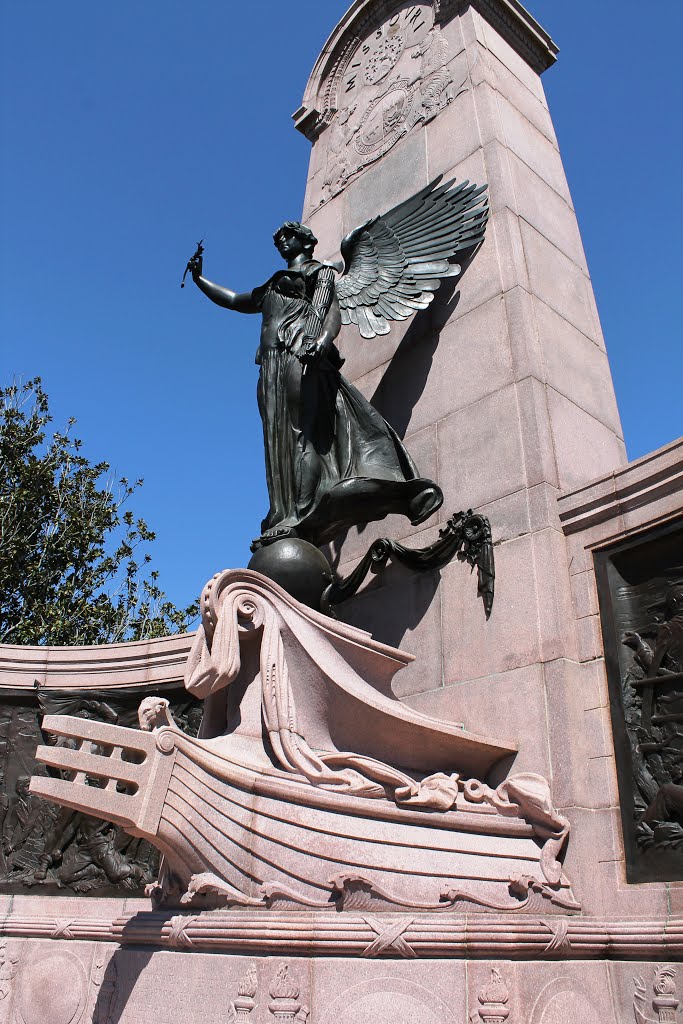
(390,115)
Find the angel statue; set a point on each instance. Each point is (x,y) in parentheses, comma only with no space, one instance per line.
(331,460)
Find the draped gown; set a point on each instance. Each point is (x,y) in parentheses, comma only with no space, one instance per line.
(332,461)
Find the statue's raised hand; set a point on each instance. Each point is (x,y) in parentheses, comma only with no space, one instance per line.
(194,264)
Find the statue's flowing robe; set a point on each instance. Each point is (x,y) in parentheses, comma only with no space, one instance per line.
(332,461)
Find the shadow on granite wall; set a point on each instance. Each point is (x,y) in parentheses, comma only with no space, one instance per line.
(405,378)
(121,975)
(408,597)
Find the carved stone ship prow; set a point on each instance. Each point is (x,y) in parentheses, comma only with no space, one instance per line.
(310,786)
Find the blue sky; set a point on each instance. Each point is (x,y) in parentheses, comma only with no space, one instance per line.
(130,130)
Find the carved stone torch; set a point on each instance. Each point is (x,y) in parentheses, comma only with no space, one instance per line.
(493,998)
(665,1001)
(285,1006)
(246,991)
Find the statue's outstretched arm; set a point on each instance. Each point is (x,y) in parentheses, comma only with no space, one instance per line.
(242,302)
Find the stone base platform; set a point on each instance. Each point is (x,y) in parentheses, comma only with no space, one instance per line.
(73,967)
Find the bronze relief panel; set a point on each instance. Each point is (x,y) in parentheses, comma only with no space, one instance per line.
(640,588)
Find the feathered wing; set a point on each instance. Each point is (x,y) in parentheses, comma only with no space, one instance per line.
(395,262)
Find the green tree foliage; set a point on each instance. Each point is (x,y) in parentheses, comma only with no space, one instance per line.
(73,564)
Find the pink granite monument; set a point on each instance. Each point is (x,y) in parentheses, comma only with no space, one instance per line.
(490,833)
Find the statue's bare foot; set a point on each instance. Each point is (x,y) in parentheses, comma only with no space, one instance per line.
(275,533)
(424,505)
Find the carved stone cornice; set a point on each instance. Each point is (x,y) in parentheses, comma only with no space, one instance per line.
(647,491)
(517,27)
(136,663)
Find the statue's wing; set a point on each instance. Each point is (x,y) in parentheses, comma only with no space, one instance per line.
(395,263)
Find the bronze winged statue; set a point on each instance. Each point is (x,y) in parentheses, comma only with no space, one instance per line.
(331,460)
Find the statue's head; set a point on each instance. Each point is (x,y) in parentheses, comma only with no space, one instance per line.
(291,238)
(153,713)
(674,600)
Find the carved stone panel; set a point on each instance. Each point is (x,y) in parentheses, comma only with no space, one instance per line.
(44,848)
(42,997)
(388,999)
(640,586)
(386,83)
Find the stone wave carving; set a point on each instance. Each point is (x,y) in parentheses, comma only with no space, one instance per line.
(354,892)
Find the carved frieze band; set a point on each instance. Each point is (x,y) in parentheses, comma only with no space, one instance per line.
(405,936)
